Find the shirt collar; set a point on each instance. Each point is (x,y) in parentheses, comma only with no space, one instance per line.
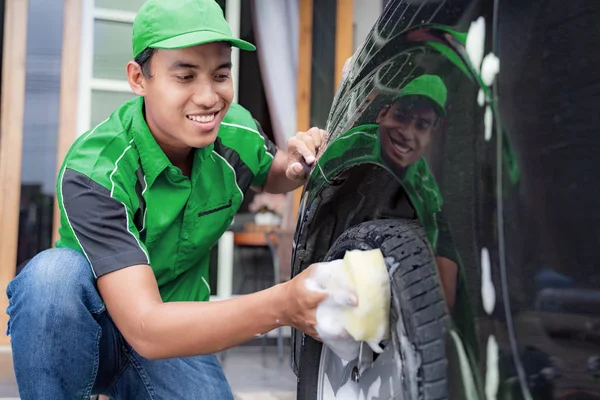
(153,159)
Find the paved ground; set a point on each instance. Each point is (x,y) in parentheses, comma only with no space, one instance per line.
(8,385)
(254,373)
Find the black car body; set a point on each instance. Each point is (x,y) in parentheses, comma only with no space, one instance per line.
(507,186)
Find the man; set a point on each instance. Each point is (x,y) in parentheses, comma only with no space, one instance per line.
(120,307)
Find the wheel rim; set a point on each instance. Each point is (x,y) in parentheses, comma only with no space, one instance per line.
(382,380)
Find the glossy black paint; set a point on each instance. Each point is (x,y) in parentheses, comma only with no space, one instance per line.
(526,192)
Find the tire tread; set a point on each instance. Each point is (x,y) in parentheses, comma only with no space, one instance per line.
(415,283)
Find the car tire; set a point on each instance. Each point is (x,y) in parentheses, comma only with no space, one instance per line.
(416,291)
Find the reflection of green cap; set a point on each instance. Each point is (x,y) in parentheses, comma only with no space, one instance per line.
(174,24)
(430,86)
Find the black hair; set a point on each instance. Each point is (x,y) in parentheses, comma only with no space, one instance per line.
(144,59)
(407,103)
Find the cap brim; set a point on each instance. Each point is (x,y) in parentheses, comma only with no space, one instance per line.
(201,37)
(440,110)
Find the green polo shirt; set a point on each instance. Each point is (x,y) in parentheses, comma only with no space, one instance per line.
(123,203)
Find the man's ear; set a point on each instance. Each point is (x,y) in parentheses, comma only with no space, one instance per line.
(382,113)
(136,78)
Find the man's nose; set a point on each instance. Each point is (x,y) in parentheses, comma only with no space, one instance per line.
(205,96)
(409,131)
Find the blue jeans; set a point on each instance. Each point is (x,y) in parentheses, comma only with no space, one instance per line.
(65,345)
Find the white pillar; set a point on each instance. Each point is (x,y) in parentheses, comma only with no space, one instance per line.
(86,67)
(233,12)
(225,267)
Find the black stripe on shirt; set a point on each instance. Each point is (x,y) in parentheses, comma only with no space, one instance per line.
(270,146)
(244,175)
(140,214)
(100,223)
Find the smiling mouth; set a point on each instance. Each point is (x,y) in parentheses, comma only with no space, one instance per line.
(400,146)
(205,119)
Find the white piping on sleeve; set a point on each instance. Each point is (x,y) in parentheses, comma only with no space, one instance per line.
(112,192)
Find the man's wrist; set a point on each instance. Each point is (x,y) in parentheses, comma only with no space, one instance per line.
(281,302)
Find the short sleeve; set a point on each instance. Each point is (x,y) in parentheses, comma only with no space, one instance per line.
(101,224)
(266,154)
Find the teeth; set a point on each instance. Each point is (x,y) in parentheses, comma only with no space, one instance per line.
(202,118)
(401,148)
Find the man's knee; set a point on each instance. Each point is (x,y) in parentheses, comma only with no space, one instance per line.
(53,272)
(59,280)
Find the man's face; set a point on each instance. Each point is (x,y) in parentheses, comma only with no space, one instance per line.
(405,130)
(188,95)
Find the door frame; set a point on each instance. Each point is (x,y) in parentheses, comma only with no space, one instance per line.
(14,55)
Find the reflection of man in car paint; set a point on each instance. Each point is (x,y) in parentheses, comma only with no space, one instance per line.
(399,139)
(406,126)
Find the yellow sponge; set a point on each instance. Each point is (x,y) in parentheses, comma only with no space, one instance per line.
(369,321)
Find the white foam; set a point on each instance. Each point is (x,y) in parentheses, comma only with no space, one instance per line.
(412,361)
(346,67)
(328,277)
(341,323)
(481,98)
(399,362)
(490,68)
(488,293)
(488,120)
(476,42)
(492,376)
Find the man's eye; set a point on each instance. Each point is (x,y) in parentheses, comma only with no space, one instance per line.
(222,77)
(185,77)
(403,117)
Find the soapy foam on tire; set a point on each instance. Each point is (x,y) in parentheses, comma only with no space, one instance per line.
(340,325)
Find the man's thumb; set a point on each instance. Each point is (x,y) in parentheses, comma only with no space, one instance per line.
(295,171)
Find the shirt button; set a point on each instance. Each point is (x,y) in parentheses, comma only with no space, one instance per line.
(186,236)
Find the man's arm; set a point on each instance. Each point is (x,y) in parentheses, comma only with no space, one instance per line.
(101,223)
(278,180)
(179,329)
(290,168)
(448,271)
(446,259)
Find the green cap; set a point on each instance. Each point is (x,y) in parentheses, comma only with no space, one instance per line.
(430,86)
(175,24)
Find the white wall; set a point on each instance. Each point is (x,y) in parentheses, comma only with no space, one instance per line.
(366,13)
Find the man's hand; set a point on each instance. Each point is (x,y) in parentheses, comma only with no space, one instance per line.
(290,168)
(301,304)
(302,152)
